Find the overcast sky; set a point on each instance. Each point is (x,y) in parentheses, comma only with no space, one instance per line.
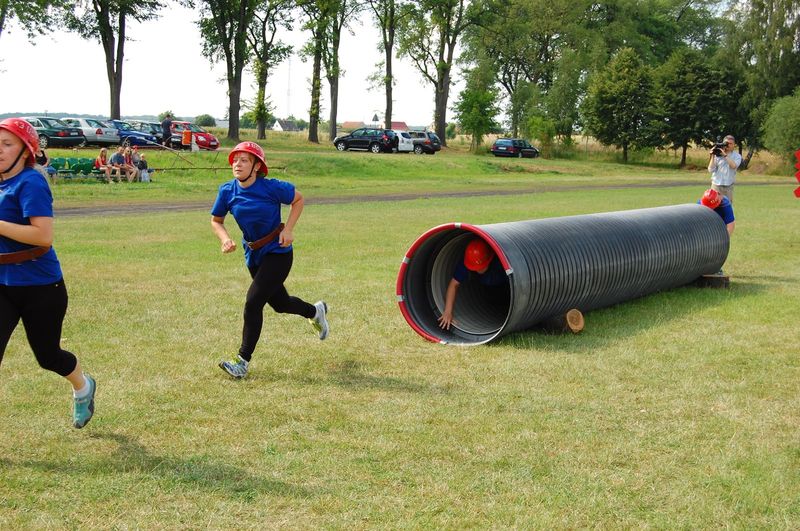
(165,70)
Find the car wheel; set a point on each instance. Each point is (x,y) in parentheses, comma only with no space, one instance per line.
(126,142)
(418,150)
(375,148)
(43,142)
(341,146)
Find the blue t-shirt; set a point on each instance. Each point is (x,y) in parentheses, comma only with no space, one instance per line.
(22,197)
(257,211)
(724,210)
(117,159)
(494,276)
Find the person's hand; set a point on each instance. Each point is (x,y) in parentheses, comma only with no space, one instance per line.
(228,246)
(445,320)
(286,238)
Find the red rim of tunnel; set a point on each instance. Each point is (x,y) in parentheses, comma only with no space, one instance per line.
(401,275)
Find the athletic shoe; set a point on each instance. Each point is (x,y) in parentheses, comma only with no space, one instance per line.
(236,368)
(83,409)
(320,321)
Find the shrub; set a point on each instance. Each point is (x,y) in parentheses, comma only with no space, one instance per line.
(205,120)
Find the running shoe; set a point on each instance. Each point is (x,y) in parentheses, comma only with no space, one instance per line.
(236,368)
(83,408)
(320,321)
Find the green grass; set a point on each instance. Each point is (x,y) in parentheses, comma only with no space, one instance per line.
(677,410)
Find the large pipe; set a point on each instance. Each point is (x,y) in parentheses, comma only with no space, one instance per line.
(556,264)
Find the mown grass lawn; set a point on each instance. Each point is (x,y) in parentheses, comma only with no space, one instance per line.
(677,410)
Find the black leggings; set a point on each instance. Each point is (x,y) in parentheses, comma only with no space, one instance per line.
(42,310)
(267,288)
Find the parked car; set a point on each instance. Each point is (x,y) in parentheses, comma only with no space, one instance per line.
(53,132)
(130,136)
(425,142)
(513,147)
(151,128)
(403,142)
(368,138)
(203,138)
(95,131)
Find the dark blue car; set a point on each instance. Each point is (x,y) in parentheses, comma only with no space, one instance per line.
(129,136)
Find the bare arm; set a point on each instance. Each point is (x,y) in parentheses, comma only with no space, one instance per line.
(218,226)
(449,304)
(287,235)
(39,232)
(730,227)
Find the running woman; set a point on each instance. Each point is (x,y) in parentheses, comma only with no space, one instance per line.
(31,283)
(255,203)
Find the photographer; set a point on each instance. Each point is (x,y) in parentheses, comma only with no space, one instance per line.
(723,162)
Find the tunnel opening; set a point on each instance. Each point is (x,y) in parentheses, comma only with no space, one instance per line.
(480,311)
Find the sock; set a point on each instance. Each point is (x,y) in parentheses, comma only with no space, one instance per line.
(242,360)
(83,391)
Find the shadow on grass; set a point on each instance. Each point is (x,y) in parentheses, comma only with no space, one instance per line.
(196,472)
(605,326)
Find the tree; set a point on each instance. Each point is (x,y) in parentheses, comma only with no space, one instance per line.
(223,25)
(782,126)
(344,10)
(687,101)
(33,16)
(318,14)
(476,107)
(267,19)
(205,120)
(106,20)
(388,16)
(430,34)
(617,103)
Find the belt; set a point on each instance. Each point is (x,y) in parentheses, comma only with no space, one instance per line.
(261,242)
(22,256)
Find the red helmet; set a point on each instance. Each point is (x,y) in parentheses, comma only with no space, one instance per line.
(255,150)
(25,132)
(711,198)
(477,255)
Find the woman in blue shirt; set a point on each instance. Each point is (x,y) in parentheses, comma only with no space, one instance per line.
(255,203)
(31,283)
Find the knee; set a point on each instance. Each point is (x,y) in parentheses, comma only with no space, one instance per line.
(58,361)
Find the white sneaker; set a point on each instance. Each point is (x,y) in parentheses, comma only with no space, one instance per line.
(320,321)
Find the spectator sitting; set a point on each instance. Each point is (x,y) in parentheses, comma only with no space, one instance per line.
(118,162)
(128,153)
(141,164)
(44,161)
(104,165)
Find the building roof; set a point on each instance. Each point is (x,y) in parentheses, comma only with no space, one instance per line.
(401,126)
(352,125)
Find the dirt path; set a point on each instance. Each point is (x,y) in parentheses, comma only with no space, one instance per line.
(149,208)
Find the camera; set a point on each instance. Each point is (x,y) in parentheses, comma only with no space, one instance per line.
(719,149)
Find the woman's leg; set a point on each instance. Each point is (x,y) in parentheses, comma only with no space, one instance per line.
(9,318)
(42,315)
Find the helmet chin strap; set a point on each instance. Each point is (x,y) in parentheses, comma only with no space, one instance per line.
(4,172)
(253,172)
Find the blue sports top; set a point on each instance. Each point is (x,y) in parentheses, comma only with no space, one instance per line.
(725,210)
(257,211)
(494,276)
(22,197)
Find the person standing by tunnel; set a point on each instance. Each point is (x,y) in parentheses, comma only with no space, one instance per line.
(31,282)
(479,262)
(255,203)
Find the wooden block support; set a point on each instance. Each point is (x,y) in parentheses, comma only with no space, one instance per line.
(572,321)
(713,281)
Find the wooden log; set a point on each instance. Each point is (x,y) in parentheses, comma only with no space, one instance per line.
(572,321)
(713,281)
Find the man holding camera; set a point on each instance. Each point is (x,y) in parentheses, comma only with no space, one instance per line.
(723,162)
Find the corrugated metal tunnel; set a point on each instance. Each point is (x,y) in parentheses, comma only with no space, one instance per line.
(556,264)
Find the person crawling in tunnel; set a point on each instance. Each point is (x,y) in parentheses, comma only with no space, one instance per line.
(480,265)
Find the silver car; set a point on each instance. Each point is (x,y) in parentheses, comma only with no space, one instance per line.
(95,131)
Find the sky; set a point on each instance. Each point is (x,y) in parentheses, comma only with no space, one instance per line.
(164,70)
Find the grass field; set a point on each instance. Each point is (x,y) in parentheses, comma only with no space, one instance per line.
(677,410)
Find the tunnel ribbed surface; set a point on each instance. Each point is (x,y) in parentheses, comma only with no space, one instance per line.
(554,265)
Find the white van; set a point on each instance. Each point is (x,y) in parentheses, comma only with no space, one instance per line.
(405,144)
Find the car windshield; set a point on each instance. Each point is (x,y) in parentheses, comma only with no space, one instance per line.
(503,142)
(434,137)
(196,128)
(94,123)
(124,126)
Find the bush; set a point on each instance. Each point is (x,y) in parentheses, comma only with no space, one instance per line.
(205,120)
(782,126)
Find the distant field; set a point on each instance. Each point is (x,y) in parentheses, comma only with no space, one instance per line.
(679,410)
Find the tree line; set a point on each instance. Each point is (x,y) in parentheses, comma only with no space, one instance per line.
(633,73)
